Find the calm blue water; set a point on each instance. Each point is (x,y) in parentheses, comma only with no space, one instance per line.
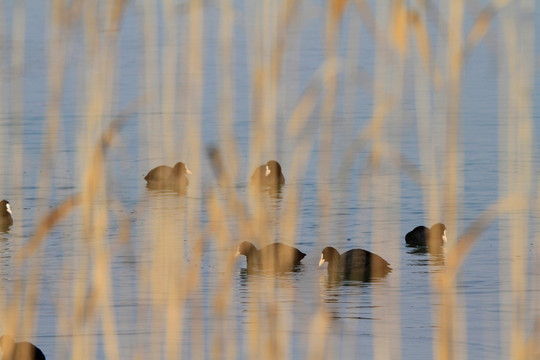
(401,309)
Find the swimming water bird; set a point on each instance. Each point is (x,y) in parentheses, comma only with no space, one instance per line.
(422,236)
(5,215)
(277,256)
(12,350)
(355,264)
(166,177)
(268,175)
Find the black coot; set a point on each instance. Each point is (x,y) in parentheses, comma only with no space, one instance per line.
(5,215)
(268,175)
(169,178)
(12,350)
(277,256)
(421,235)
(355,264)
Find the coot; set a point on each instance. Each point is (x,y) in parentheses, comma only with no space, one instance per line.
(12,350)
(421,235)
(277,256)
(166,177)
(355,264)
(5,215)
(268,175)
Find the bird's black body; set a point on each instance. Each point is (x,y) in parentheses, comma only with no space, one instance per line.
(19,350)
(268,175)
(277,256)
(168,178)
(6,220)
(355,264)
(422,236)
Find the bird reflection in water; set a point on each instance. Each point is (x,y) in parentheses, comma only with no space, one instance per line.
(427,255)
